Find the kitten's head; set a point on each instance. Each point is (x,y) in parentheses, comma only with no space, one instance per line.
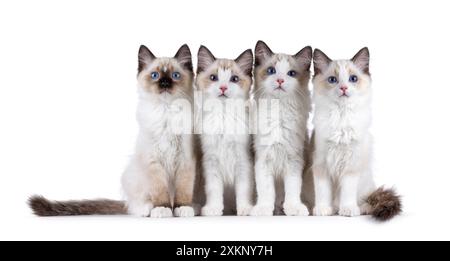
(281,74)
(224,78)
(165,77)
(342,80)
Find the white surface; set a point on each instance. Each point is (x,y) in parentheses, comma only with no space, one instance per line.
(67,102)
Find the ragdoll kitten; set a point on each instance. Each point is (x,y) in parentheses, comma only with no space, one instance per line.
(225,140)
(161,173)
(281,79)
(341,142)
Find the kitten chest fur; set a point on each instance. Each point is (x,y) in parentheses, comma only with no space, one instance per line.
(341,135)
(287,136)
(156,139)
(222,149)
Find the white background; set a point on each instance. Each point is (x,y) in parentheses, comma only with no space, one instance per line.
(68,96)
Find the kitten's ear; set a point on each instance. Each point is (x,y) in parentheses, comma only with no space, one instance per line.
(262,52)
(184,57)
(145,57)
(361,59)
(321,61)
(205,59)
(304,58)
(245,62)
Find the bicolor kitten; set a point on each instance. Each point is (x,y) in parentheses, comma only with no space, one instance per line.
(225,139)
(341,142)
(161,174)
(281,79)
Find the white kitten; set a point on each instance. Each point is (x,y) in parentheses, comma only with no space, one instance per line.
(342,144)
(225,141)
(282,81)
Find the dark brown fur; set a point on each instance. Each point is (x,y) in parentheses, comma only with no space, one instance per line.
(362,58)
(385,204)
(44,207)
(321,60)
(144,55)
(262,52)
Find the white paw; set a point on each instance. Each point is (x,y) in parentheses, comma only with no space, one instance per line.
(184,211)
(161,212)
(139,209)
(349,211)
(212,211)
(244,210)
(323,211)
(260,210)
(365,209)
(298,209)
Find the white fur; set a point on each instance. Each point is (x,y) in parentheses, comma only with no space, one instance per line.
(156,143)
(343,144)
(227,163)
(279,150)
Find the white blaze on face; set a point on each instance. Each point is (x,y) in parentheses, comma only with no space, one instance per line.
(224,76)
(343,80)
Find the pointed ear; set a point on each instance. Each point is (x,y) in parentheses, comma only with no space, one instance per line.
(184,57)
(145,57)
(304,58)
(321,61)
(361,59)
(205,59)
(245,62)
(262,52)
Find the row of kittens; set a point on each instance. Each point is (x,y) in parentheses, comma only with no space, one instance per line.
(172,174)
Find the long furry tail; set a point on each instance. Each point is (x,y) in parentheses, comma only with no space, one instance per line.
(385,204)
(44,207)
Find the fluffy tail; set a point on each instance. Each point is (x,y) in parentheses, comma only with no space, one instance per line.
(385,204)
(44,207)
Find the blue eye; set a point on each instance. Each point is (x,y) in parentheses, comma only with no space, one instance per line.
(353,78)
(292,73)
(213,77)
(271,70)
(154,75)
(176,75)
(234,78)
(332,79)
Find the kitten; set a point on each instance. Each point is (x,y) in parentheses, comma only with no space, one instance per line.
(279,163)
(225,141)
(161,173)
(341,142)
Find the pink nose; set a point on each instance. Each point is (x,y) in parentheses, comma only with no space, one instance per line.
(280,81)
(223,88)
(343,88)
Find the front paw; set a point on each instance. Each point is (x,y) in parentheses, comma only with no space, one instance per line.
(365,209)
(161,212)
(212,211)
(298,209)
(139,209)
(244,210)
(323,211)
(349,211)
(261,210)
(184,211)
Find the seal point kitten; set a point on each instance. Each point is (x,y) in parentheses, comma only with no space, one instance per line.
(225,139)
(341,144)
(159,180)
(281,79)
